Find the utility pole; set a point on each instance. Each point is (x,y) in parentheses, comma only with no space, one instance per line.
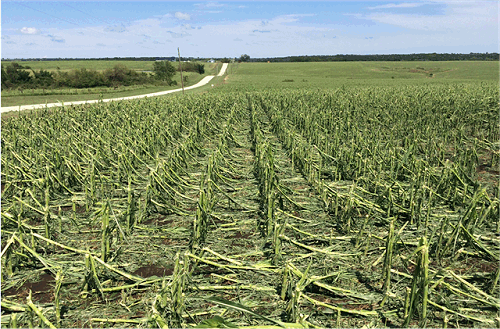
(180,68)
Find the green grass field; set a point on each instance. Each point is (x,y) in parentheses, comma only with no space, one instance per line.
(334,74)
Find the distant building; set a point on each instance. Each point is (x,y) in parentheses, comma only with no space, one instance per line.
(211,61)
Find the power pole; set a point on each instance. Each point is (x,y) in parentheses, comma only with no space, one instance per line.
(180,69)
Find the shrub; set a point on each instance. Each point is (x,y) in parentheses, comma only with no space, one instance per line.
(83,78)
(14,75)
(192,67)
(164,71)
(43,78)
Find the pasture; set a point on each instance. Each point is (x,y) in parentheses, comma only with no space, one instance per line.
(328,75)
(348,200)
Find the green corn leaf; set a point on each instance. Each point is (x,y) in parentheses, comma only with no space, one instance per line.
(241,308)
(216,322)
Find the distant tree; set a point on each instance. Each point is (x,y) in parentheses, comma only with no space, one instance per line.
(192,67)
(43,78)
(61,79)
(5,80)
(200,68)
(85,78)
(14,75)
(118,74)
(164,71)
(244,58)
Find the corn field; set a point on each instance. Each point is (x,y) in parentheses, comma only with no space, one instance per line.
(354,207)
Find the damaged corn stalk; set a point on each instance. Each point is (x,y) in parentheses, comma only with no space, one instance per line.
(329,193)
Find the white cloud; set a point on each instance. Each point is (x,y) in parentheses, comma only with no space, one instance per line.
(214,4)
(29,30)
(188,27)
(210,4)
(56,38)
(458,16)
(288,18)
(116,28)
(182,16)
(399,5)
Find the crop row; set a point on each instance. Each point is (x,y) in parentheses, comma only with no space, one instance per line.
(352,207)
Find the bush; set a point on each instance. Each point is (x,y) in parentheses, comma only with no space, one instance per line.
(118,74)
(17,76)
(192,67)
(164,71)
(43,78)
(83,78)
(122,75)
(61,79)
(14,75)
(200,68)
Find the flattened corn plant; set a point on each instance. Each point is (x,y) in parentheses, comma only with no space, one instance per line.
(359,206)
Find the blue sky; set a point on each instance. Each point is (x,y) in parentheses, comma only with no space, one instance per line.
(87,29)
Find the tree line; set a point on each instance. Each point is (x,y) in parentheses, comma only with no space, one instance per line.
(15,75)
(390,57)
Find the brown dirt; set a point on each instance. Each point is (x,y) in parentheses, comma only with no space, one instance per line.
(79,209)
(41,291)
(149,221)
(153,270)
(486,168)
(301,187)
(164,222)
(216,220)
(158,221)
(474,265)
(358,307)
